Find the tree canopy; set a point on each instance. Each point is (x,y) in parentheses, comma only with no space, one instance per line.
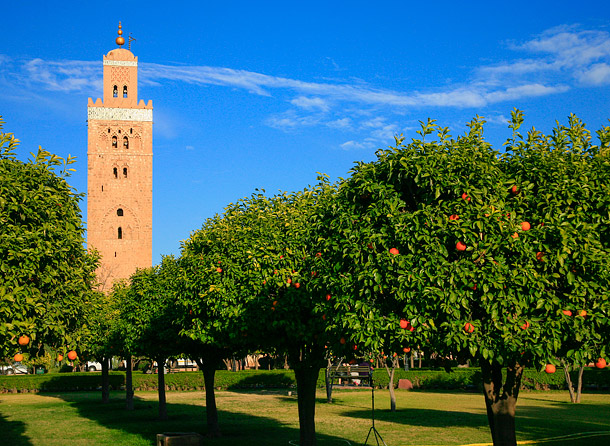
(46,275)
(456,248)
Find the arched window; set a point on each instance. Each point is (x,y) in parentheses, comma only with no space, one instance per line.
(120,233)
(115,92)
(124,91)
(119,212)
(114,142)
(126,142)
(124,172)
(115,171)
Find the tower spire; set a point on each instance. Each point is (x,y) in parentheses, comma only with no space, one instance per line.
(120,40)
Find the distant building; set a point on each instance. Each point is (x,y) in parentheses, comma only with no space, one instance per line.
(119,186)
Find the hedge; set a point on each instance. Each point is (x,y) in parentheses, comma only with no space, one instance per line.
(463,378)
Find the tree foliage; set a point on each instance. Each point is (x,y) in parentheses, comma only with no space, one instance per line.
(46,274)
(456,248)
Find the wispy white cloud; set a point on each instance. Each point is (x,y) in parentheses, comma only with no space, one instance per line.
(596,75)
(357,145)
(343,123)
(569,46)
(310,103)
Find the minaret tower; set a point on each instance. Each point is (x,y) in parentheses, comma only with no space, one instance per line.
(119,202)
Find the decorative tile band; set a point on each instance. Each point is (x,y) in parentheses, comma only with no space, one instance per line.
(119,114)
(121,63)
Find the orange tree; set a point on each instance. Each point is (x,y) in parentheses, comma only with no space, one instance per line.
(46,274)
(208,321)
(563,184)
(432,249)
(252,273)
(150,318)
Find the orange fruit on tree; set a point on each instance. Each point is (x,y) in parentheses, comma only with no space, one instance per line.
(468,327)
(72,355)
(460,246)
(218,270)
(540,256)
(24,340)
(60,358)
(297,285)
(582,313)
(514,190)
(328,297)
(465,196)
(550,368)
(404,323)
(18,357)
(454,217)
(525,326)
(601,363)
(525,226)
(394,251)
(342,341)
(406,349)
(567,312)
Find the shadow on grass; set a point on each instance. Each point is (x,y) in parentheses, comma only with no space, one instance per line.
(13,433)
(237,428)
(583,423)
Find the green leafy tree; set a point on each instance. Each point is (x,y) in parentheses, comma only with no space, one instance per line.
(252,272)
(562,183)
(150,318)
(46,275)
(100,337)
(432,249)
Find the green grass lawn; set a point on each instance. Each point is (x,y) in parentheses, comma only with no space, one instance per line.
(270,418)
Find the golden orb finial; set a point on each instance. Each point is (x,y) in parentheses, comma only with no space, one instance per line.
(120,40)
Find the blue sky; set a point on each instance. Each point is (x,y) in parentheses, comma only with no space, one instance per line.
(265,94)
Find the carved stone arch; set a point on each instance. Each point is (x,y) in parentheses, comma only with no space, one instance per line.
(129,222)
(115,170)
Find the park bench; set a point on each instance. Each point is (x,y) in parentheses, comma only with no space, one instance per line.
(356,375)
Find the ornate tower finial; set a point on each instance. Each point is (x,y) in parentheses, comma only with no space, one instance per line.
(120,40)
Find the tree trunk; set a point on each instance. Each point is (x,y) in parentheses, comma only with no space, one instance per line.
(105,381)
(579,389)
(411,360)
(128,383)
(161,385)
(307,377)
(211,412)
(328,382)
(566,374)
(391,384)
(501,401)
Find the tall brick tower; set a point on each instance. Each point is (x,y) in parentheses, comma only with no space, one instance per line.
(119,202)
